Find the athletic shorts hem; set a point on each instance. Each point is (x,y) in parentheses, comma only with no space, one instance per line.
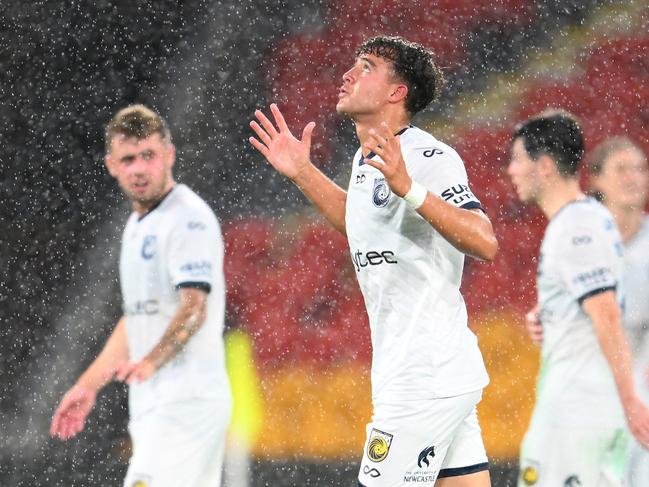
(456,472)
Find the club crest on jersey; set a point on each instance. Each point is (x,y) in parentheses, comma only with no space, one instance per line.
(381,193)
(378,445)
(148,247)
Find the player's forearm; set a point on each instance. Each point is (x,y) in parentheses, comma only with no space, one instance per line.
(326,196)
(185,323)
(468,231)
(115,352)
(610,335)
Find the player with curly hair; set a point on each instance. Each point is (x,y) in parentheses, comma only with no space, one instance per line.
(410,217)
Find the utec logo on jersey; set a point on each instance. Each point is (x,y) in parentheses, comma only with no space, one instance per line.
(373,257)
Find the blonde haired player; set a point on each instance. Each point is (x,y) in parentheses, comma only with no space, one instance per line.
(168,345)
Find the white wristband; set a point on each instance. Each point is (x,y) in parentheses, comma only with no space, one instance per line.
(416,195)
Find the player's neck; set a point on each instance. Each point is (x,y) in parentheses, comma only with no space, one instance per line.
(558,194)
(628,220)
(396,123)
(142,208)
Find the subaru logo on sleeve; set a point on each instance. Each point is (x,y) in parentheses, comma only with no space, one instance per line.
(380,193)
(148,247)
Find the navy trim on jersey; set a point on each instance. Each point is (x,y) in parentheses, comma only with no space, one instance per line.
(203,286)
(456,472)
(372,154)
(472,205)
(150,210)
(595,292)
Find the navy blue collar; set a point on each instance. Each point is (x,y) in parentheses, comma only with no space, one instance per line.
(148,212)
(372,154)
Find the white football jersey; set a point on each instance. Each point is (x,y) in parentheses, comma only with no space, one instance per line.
(176,244)
(636,312)
(410,277)
(581,256)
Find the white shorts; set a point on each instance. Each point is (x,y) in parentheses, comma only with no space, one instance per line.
(179,445)
(416,442)
(571,457)
(637,474)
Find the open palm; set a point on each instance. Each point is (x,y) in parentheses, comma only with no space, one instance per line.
(279,146)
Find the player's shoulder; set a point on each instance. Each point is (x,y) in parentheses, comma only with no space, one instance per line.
(186,205)
(420,145)
(585,217)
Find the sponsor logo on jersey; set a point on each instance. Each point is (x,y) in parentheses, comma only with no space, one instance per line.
(572,481)
(381,192)
(596,277)
(458,194)
(372,472)
(372,257)
(418,477)
(378,445)
(530,475)
(148,247)
(360,178)
(196,226)
(582,240)
(432,152)
(423,456)
(198,268)
(145,307)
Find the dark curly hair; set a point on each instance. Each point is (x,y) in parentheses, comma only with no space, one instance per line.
(555,133)
(413,64)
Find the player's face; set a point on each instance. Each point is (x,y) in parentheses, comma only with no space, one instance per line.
(624,179)
(142,168)
(523,172)
(366,86)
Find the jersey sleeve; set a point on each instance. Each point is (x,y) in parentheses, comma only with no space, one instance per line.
(443,174)
(585,261)
(195,252)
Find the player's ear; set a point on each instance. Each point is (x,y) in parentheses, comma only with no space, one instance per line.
(399,93)
(545,165)
(171,154)
(109,162)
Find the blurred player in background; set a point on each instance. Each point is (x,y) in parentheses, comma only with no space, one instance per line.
(620,176)
(168,345)
(410,217)
(585,390)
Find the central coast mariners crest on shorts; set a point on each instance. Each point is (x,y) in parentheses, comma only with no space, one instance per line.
(378,445)
(530,474)
(380,193)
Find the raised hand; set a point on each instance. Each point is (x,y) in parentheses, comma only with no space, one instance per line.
(386,145)
(69,418)
(279,146)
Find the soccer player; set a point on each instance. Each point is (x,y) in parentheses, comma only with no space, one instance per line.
(620,175)
(409,216)
(168,345)
(585,390)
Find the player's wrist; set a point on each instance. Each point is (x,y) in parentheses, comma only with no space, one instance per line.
(416,195)
(302,175)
